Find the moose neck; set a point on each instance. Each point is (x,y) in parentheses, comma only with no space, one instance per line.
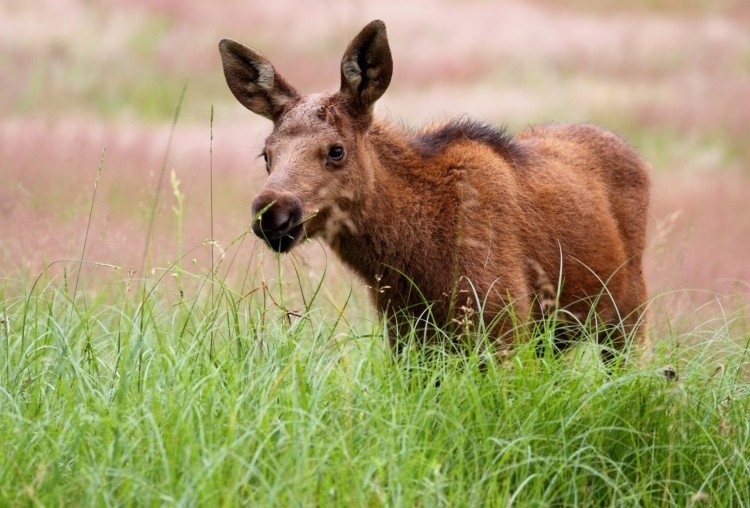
(397,229)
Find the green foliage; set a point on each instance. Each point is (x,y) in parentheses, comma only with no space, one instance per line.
(223,396)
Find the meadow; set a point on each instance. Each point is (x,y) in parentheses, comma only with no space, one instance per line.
(154,352)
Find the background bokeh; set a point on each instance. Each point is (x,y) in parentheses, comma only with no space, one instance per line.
(673,76)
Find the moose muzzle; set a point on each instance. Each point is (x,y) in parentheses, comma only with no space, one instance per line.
(277,219)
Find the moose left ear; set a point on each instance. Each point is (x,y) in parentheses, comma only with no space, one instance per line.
(366,67)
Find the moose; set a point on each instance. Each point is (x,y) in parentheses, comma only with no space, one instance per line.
(454,220)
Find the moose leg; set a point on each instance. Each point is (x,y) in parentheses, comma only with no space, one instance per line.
(548,311)
(627,323)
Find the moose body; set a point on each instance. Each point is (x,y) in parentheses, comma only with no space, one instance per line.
(455,218)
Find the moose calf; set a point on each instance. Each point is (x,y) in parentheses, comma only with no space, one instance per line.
(452,214)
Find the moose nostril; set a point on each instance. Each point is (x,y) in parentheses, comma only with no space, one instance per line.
(275,215)
(284,222)
(275,221)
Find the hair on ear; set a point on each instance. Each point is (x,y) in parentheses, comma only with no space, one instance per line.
(366,68)
(254,81)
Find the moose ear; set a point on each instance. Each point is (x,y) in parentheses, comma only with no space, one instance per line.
(254,81)
(366,67)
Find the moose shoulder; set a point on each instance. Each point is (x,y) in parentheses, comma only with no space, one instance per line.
(451,216)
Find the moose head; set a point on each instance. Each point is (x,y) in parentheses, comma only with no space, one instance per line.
(319,174)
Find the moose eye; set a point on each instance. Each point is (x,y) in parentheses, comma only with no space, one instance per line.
(265,159)
(336,153)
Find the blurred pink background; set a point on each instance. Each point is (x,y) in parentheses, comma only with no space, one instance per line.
(672,76)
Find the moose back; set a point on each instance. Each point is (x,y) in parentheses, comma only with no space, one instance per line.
(452,219)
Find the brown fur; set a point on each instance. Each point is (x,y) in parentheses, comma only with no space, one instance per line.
(431,219)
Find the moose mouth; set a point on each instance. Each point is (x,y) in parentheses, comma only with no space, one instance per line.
(280,242)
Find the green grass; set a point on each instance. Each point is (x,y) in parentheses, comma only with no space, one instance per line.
(218,396)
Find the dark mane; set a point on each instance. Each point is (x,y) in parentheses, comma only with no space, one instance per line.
(431,142)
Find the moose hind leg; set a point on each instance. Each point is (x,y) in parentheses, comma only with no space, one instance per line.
(628,327)
(548,311)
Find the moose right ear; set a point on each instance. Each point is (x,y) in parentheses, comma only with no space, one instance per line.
(253,80)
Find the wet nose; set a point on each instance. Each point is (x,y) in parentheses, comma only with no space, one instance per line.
(276,214)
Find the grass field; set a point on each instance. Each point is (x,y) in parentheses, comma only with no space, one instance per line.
(210,395)
(152,352)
